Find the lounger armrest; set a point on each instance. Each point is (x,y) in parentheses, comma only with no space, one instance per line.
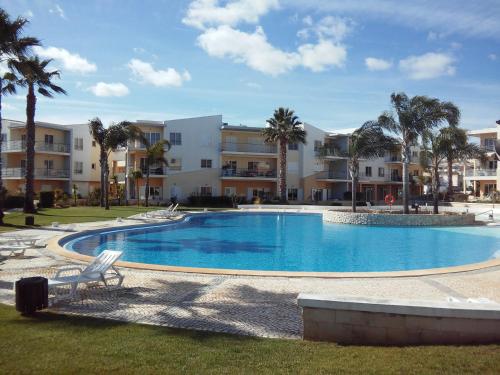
(66,269)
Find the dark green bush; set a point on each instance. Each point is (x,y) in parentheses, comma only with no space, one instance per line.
(14,201)
(206,201)
(47,199)
(348,196)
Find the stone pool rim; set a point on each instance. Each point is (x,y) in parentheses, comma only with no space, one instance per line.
(55,245)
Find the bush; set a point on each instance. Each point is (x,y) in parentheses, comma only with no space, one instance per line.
(336,204)
(348,196)
(47,199)
(206,201)
(14,201)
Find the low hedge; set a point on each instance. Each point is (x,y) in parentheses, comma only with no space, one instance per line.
(47,199)
(14,201)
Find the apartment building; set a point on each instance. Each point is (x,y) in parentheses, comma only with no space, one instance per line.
(483,176)
(53,156)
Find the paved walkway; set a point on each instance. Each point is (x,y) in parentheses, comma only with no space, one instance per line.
(257,306)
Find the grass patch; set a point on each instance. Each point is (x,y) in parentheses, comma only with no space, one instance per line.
(50,343)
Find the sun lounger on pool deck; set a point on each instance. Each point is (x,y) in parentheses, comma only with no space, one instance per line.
(102,269)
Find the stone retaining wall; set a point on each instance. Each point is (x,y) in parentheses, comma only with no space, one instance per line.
(365,218)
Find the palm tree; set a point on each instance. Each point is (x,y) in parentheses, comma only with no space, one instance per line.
(34,75)
(136,176)
(12,45)
(414,117)
(457,148)
(109,140)
(155,155)
(284,128)
(366,142)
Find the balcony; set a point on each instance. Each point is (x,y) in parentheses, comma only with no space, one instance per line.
(326,151)
(40,173)
(333,175)
(254,148)
(159,171)
(488,147)
(20,146)
(480,173)
(249,173)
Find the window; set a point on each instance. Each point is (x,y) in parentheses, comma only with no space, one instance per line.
(175,139)
(175,164)
(78,169)
(152,138)
(292,194)
(93,144)
(3,137)
(368,171)
(293,146)
(23,165)
(206,163)
(317,145)
(414,154)
(206,191)
(381,172)
(415,172)
(93,165)
(492,164)
(78,143)
(229,191)
(253,165)
(489,143)
(49,139)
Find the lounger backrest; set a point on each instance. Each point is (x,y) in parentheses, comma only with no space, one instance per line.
(103,262)
(175,207)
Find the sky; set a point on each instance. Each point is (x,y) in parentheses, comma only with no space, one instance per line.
(334,62)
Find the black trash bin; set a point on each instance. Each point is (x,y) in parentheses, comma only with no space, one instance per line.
(29,220)
(32,293)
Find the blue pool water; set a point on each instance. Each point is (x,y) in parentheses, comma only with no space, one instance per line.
(293,242)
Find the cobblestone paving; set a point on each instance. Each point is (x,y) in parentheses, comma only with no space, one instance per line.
(256,306)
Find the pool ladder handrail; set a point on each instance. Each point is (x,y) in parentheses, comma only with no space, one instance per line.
(490,216)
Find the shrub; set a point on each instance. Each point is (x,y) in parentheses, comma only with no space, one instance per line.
(206,201)
(348,196)
(14,201)
(47,199)
(336,204)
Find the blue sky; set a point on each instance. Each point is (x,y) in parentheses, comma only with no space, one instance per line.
(334,62)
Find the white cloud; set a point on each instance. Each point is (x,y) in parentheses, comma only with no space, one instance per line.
(138,50)
(72,62)
(427,66)
(253,85)
(372,63)
(28,14)
(329,27)
(492,57)
(318,57)
(58,10)
(206,13)
(160,78)
(109,89)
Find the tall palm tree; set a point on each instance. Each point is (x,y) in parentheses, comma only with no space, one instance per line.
(366,142)
(136,176)
(109,140)
(415,116)
(457,148)
(12,45)
(284,128)
(32,73)
(155,155)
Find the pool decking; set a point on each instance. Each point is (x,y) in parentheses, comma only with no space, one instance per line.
(248,305)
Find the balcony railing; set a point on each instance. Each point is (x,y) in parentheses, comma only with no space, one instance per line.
(480,172)
(39,146)
(154,171)
(332,175)
(325,151)
(249,147)
(269,173)
(488,148)
(39,173)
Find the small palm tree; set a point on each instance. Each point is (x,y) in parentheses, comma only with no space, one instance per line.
(136,176)
(366,142)
(32,73)
(12,46)
(284,128)
(109,140)
(414,117)
(457,148)
(155,155)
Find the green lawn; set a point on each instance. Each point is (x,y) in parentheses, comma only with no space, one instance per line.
(46,216)
(50,343)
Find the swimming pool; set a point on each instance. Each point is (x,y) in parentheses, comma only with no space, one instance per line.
(292,242)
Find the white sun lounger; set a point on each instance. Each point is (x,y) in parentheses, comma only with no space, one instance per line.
(14,250)
(102,269)
(171,212)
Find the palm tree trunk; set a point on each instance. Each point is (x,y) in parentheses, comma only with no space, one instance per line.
(137,189)
(354,188)
(282,180)
(102,163)
(450,178)
(106,185)
(435,187)
(406,181)
(2,193)
(29,206)
(146,193)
